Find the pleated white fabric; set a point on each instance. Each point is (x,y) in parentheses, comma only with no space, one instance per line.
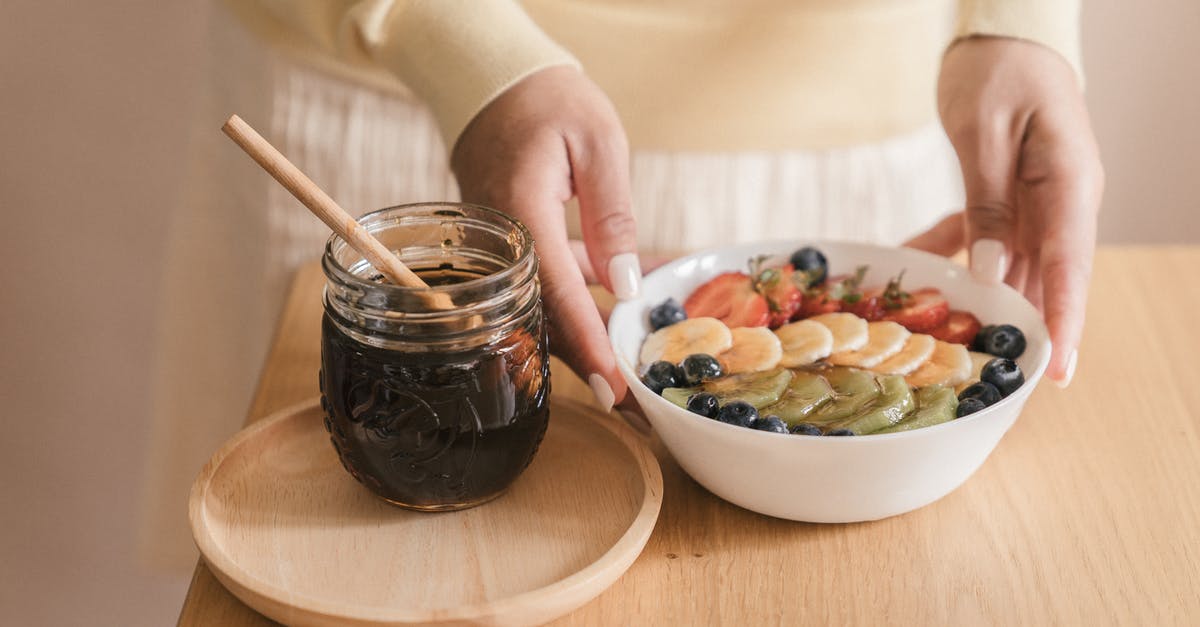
(239,236)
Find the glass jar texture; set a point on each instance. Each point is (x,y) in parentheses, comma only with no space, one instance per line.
(436,409)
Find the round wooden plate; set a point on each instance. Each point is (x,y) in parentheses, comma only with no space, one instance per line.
(292,535)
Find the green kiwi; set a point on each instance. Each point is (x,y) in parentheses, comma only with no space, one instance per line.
(807,392)
(935,404)
(679,396)
(757,388)
(853,390)
(894,403)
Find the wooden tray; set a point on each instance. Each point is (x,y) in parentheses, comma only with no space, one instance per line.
(292,535)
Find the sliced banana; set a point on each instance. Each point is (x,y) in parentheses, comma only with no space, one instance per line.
(849,331)
(754,349)
(916,351)
(978,361)
(950,364)
(694,335)
(884,339)
(804,342)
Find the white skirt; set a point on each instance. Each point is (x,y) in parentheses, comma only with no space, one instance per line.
(239,236)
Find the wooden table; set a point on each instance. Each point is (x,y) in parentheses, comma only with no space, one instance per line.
(1088,512)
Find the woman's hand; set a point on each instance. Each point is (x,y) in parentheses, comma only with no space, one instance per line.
(552,136)
(1015,114)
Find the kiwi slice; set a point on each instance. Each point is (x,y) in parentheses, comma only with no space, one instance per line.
(893,404)
(807,392)
(757,388)
(679,396)
(935,404)
(853,390)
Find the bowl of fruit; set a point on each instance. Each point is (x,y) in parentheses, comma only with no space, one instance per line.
(828,381)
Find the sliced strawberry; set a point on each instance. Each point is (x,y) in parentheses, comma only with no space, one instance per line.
(783,295)
(960,327)
(921,311)
(817,302)
(868,306)
(731,298)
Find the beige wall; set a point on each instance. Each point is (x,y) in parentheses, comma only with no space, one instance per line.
(94,98)
(94,103)
(1143,66)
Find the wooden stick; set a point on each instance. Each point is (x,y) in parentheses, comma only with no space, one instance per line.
(324,207)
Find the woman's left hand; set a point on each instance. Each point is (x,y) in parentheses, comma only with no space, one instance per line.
(1014,112)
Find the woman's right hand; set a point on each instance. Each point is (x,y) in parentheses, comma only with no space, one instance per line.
(552,136)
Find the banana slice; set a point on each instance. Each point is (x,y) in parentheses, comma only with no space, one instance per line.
(916,351)
(849,331)
(978,361)
(804,342)
(694,335)
(754,349)
(884,339)
(950,364)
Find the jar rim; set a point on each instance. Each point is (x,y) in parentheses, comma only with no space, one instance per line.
(344,274)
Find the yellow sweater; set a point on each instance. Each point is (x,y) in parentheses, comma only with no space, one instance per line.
(703,75)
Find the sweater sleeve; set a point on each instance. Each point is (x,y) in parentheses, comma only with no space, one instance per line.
(456,55)
(1051,23)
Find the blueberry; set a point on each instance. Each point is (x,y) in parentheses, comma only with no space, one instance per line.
(982,391)
(840,432)
(666,314)
(699,368)
(977,343)
(969,406)
(662,374)
(771,423)
(1003,373)
(739,413)
(1003,340)
(812,262)
(704,404)
(806,429)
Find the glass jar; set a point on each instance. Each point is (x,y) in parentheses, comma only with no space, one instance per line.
(436,409)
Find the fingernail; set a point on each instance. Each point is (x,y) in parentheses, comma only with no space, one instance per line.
(602,391)
(636,420)
(989,261)
(1072,361)
(625,275)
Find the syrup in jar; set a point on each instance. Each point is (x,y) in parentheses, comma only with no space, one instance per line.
(434,409)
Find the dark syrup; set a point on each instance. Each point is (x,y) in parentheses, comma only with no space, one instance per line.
(436,430)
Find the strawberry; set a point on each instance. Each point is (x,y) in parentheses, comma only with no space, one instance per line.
(870,306)
(818,301)
(729,297)
(921,311)
(960,327)
(778,286)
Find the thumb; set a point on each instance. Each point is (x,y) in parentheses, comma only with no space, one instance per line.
(988,157)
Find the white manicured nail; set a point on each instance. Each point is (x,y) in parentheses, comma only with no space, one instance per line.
(636,420)
(989,261)
(1072,361)
(602,391)
(625,275)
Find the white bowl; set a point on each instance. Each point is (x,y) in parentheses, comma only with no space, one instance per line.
(831,479)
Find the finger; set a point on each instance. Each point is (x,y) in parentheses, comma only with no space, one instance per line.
(987,151)
(600,172)
(1018,271)
(1033,283)
(648,262)
(535,195)
(1063,186)
(585,263)
(945,238)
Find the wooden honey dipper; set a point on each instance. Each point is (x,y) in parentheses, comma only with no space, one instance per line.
(324,207)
